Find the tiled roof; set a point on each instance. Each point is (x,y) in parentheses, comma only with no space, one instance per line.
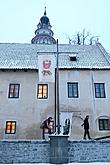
(25,56)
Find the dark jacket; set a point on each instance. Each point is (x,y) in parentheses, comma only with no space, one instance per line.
(86,123)
(47,123)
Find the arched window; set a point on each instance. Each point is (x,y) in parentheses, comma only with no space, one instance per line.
(104,123)
(45,40)
(41,41)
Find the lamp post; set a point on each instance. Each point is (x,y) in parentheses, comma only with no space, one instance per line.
(58,153)
(57,90)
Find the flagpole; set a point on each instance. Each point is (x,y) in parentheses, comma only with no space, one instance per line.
(57,91)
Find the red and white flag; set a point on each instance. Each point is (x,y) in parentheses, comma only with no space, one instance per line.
(46,65)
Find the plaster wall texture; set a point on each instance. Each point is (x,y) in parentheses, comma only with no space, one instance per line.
(29,112)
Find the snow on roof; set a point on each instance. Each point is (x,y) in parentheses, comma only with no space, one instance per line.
(25,56)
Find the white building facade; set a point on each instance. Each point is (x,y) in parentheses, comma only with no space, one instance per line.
(84,88)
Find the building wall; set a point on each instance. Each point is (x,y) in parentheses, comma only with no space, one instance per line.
(38,151)
(86,103)
(28,111)
(89,151)
(24,152)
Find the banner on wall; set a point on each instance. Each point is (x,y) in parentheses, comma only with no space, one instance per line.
(66,122)
(46,64)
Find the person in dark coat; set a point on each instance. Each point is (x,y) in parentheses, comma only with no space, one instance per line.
(86,127)
(46,125)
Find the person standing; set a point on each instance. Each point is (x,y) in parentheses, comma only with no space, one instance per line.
(86,127)
(46,125)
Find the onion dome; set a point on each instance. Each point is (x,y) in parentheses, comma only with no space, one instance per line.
(44,19)
(43,33)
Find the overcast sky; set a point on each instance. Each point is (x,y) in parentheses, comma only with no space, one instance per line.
(18,19)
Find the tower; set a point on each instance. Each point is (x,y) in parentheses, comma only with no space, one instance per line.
(43,33)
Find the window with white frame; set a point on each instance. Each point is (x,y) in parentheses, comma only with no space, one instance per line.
(10,127)
(104,124)
(42,92)
(13,90)
(72,90)
(99,90)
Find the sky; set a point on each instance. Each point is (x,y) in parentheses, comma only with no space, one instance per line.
(19,19)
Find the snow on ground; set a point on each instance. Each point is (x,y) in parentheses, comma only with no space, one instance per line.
(96,163)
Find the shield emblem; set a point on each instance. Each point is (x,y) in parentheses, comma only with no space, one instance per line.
(46,64)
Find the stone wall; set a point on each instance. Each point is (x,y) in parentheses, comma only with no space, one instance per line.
(24,151)
(89,151)
(38,151)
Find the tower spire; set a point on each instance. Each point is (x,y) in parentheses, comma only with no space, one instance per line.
(43,33)
(45,11)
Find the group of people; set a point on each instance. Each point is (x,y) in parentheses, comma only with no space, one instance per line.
(48,124)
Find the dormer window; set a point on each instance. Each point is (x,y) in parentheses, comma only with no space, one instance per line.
(72,57)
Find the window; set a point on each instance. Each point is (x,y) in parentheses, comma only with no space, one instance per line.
(72,57)
(10,127)
(99,90)
(42,91)
(14,91)
(104,124)
(73,90)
